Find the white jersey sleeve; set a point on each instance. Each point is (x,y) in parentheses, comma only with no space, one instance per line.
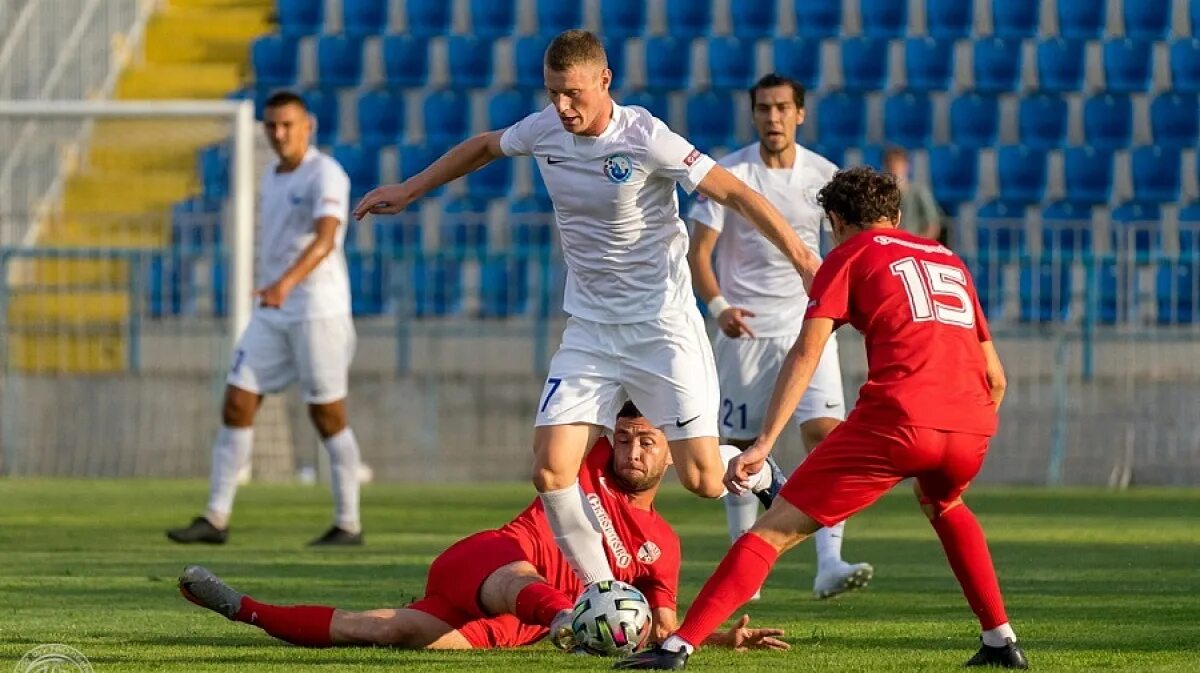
(518,140)
(331,193)
(709,213)
(671,156)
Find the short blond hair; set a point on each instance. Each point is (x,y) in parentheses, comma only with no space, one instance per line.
(573,48)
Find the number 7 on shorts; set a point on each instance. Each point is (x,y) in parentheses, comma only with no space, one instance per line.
(554,383)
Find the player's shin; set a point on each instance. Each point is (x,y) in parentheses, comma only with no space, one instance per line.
(577,533)
(304,625)
(741,573)
(343,468)
(539,603)
(967,551)
(231,451)
(829,546)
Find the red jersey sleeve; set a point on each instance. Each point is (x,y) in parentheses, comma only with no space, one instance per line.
(830,294)
(661,584)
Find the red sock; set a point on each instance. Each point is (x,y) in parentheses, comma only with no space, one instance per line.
(305,625)
(740,574)
(966,549)
(539,603)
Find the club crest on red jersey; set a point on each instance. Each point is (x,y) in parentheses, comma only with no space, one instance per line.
(649,552)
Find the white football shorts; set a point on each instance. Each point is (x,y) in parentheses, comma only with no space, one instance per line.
(273,352)
(664,365)
(748,368)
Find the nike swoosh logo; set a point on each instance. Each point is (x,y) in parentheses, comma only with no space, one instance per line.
(830,405)
(552,160)
(680,424)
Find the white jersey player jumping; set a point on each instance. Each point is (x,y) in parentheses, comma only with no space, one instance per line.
(634,330)
(301,328)
(760,307)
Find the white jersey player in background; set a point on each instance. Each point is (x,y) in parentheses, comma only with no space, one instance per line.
(634,329)
(760,307)
(301,328)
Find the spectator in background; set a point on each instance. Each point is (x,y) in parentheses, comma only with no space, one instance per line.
(919,213)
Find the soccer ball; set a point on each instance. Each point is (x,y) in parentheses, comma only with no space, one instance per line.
(611,619)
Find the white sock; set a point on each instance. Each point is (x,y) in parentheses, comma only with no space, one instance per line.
(758,482)
(829,546)
(343,473)
(996,637)
(577,533)
(675,643)
(231,451)
(740,513)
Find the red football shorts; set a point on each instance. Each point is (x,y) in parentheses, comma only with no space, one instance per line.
(452,591)
(857,463)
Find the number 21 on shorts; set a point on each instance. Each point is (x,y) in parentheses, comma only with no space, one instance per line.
(926,281)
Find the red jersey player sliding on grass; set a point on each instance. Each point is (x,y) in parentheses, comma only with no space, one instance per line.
(512,586)
(927,411)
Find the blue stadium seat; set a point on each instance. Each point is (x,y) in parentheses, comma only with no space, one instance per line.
(841,119)
(437,288)
(988,276)
(1127,65)
(530,52)
(196,223)
(415,158)
(298,18)
(614,48)
(834,153)
(731,62)
(361,163)
(1189,231)
(950,19)
(380,118)
(668,63)
(493,18)
(323,104)
(213,167)
(997,65)
(974,120)
(818,20)
(429,18)
(929,63)
(506,108)
(954,173)
(447,116)
(1185,65)
(623,18)
(366,270)
(406,61)
(689,18)
(1175,120)
(656,102)
(364,17)
(398,235)
(531,225)
(169,284)
(1156,174)
(1021,172)
(503,287)
(1115,288)
(1000,232)
(908,119)
(493,181)
(871,155)
(1081,20)
(274,59)
(1108,121)
(864,63)
(1136,227)
(883,18)
(339,61)
(1042,121)
(1066,231)
(1060,65)
(470,61)
(798,58)
(1088,175)
(1177,291)
(1017,19)
(555,16)
(752,20)
(1045,291)
(710,118)
(1147,20)
(1194,16)
(464,228)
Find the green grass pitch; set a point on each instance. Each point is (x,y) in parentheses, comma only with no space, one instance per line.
(1094,580)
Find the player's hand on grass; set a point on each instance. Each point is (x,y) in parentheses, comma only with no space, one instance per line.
(751,461)
(273,295)
(732,322)
(386,200)
(741,638)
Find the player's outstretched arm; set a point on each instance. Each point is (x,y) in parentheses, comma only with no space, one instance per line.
(726,189)
(469,155)
(997,381)
(741,638)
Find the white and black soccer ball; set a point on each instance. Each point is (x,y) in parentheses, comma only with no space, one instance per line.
(611,619)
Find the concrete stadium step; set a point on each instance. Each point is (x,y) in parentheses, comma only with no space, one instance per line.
(265,6)
(97,350)
(73,307)
(179,80)
(200,35)
(76,272)
(120,192)
(151,144)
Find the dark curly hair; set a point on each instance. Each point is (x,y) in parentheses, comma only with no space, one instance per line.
(860,196)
